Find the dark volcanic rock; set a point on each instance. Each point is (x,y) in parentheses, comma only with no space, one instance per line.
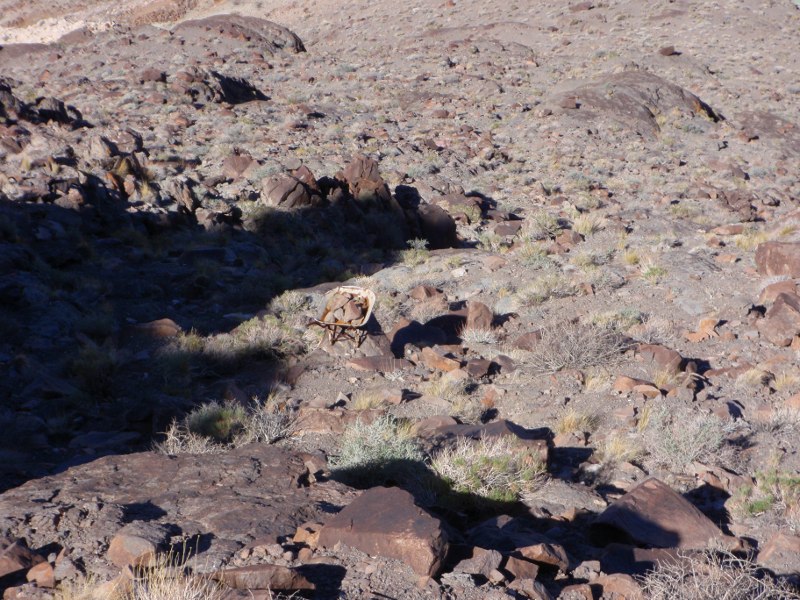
(385,521)
(220,501)
(782,322)
(271,36)
(653,515)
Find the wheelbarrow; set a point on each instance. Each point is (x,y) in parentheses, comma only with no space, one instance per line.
(347,310)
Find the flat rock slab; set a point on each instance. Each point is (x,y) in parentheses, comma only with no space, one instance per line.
(653,515)
(219,502)
(264,577)
(386,522)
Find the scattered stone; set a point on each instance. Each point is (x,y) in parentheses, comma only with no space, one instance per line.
(15,556)
(136,544)
(479,316)
(482,562)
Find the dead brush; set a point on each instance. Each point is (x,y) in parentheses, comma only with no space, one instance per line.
(711,574)
(576,346)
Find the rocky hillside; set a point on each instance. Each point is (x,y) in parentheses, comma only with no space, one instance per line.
(349,299)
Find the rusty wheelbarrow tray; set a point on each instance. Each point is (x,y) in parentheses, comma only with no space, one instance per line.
(338,329)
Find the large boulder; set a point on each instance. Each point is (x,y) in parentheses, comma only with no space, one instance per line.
(778,258)
(386,522)
(782,322)
(653,515)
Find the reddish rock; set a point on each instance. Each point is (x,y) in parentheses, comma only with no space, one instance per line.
(264,577)
(781,554)
(782,322)
(426,292)
(661,357)
(478,367)
(42,575)
(308,534)
(552,555)
(569,238)
(528,341)
(667,51)
(16,556)
(620,586)
(520,568)
(624,384)
(136,544)
(237,164)
(778,258)
(386,522)
(479,316)
(773,290)
(435,359)
(654,515)
(161,328)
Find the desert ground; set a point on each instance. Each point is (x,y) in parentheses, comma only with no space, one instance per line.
(432,299)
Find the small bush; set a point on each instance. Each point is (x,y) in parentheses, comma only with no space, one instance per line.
(588,224)
(496,468)
(574,421)
(717,575)
(219,422)
(416,254)
(478,335)
(576,346)
(541,225)
(676,436)
(376,453)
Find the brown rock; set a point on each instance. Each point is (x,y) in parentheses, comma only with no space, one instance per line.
(781,554)
(264,577)
(482,562)
(386,522)
(552,555)
(569,238)
(778,258)
(661,357)
(479,316)
(308,534)
(577,591)
(478,367)
(620,586)
(667,51)
(161,328)
(624,384)
(528,341)
(42,575)
(773,290)
(425,292)
(530,588)
(782,322)
(237,164)
(652,514)
(16,556)
(436,359)
(521,568)
(136,544)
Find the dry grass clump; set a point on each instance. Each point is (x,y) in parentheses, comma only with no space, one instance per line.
(372,453)
(784,419)
(478,335)
(533,255)
(367,399)
(717,575)
(675,435)
(215,427)
(588,224)
(257,337)
(416,254)
(166,579)
(575,346)
(617,449)
(496,468)
(574,421)
(550,285)
(541,225)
